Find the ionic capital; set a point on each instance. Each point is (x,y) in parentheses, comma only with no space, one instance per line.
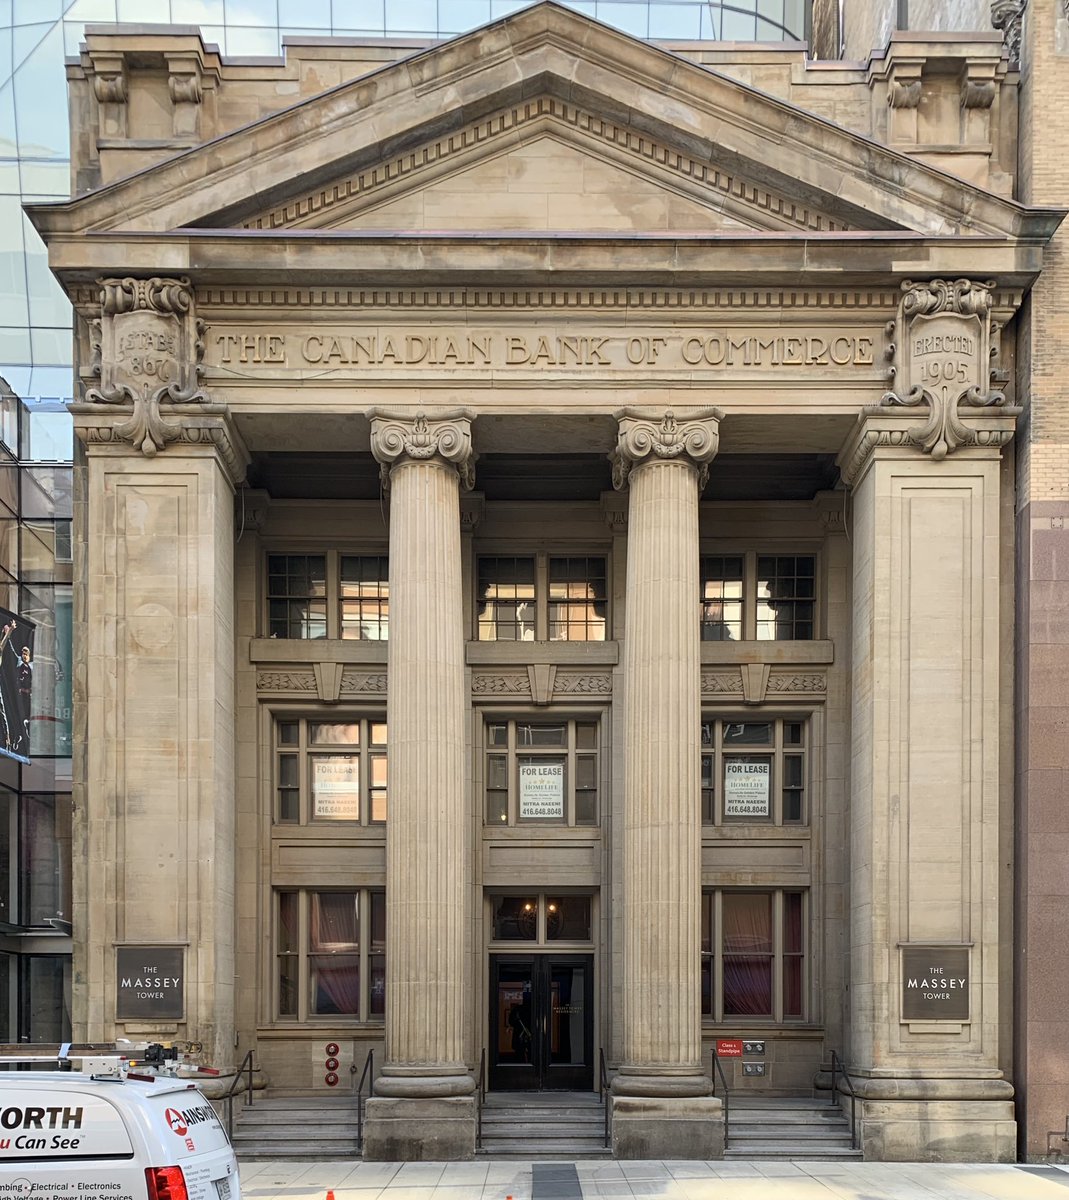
(398,437)
(882,430)
(643,438)
(150,428)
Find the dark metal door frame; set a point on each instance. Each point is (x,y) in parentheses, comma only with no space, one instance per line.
(522,1037)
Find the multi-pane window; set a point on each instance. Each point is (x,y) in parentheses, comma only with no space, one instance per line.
(542,773)
(754,955)
(297,595)
(365,597)
(758,597)
(542,597)
(328,595)
(330,770)
(753,771)
(330,954)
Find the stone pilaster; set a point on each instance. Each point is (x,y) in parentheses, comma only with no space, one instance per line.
(661,1102)
(924,782)
(154,791)
(423,1106)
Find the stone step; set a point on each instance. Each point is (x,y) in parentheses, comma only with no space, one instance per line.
(794,1132)
(777,1151)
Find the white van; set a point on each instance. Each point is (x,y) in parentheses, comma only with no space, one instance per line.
(65,1134)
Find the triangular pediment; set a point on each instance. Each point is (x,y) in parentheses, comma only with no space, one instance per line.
(544,166)
(544,121)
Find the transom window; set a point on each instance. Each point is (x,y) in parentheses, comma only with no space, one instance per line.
(541,917)
(330,770)
(328,595)
(754,955)
(758,597)
(753,771)
(542,597)
(542,773)
(330,954)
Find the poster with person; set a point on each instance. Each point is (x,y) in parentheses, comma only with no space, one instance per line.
(16,684)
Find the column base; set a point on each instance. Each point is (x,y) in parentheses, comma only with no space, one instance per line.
(419,1130)
(663,1127)
(937,1130)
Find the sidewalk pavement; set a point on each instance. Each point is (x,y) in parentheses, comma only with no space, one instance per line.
(608,1180)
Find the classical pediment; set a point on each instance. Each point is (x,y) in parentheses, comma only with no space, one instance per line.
(545,165)
(544,122)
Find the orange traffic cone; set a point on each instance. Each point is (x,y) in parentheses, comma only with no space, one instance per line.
(330,1194)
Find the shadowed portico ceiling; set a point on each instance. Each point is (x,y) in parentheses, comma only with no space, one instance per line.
(699,155)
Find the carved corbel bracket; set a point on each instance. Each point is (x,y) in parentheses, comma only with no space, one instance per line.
(398,437)
(904,90)
(942,357)
(184,84)
(110,92)
(641,437)
(147,349)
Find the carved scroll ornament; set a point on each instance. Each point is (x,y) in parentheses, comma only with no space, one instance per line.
(399,437)
(695,437)
(147,349)
(1008,15)
(941,350)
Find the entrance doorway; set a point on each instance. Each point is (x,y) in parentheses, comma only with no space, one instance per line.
(541,1022)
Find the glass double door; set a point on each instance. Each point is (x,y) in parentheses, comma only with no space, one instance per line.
(541,1022)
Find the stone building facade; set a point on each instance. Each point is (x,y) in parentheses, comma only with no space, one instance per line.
(550,579)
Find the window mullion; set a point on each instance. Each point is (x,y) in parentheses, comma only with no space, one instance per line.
(749,596)
(304,977)
(718,956)
(363,926)
(333,597)
(777,955)
(542,596)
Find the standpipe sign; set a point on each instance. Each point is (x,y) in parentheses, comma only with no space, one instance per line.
(150,983)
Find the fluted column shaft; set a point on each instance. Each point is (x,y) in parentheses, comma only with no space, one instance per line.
(663,464)
(427,820)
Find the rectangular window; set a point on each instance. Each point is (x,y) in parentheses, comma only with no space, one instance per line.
(753,955)
(364,586)
(542,597)
(330,953)
(541,917)
(758,597)
(328,595)
(329,771)
(753,772)
(578,599)
(786,597)
(506,599)
(541,772)
(297,595)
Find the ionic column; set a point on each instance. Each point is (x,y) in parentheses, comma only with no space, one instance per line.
(423,1106)
(662,1106)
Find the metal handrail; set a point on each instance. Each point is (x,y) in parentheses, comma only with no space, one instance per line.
(369,1069)
(480,1098)
(715,1070)
(235,1087)
(837,1071)
(603,1089)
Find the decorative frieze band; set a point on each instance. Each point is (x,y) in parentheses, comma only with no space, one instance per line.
(542,686)
(782,682)
(303,681)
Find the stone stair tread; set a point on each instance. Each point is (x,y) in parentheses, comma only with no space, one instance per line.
(766,1133)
